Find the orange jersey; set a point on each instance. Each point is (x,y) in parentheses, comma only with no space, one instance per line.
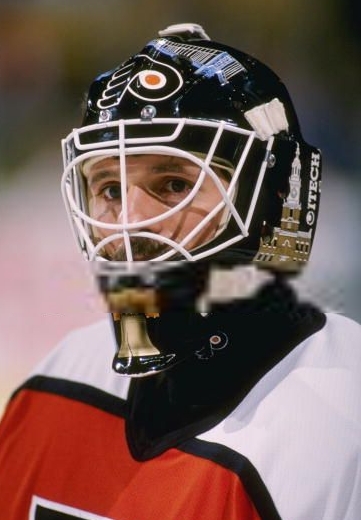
(74,460)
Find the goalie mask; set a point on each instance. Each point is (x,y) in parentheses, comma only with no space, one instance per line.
(188,151)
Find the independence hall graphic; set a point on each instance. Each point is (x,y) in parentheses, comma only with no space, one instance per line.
(287,242)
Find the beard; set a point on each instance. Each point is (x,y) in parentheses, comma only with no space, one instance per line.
(142,249)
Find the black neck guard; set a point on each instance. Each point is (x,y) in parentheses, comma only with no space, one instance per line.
(235,345)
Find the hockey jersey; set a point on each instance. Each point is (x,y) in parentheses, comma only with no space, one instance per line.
(79,441)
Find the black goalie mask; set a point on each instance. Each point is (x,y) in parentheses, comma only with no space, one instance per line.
(190,151)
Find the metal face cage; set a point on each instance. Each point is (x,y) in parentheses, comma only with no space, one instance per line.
(166,137)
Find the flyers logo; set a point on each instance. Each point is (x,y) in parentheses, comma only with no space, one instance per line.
(216,342)
(42,509)
(111,93)
(156,83)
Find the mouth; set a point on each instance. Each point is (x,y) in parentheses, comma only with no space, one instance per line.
(142,249)
(141,287)
(133,301)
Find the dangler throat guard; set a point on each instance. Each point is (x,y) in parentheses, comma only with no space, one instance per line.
(153,309)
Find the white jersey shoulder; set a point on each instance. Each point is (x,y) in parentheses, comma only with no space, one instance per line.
(300,426)
(85,356)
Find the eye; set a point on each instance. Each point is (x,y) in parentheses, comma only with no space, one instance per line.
(112,191)
(172,190)
(178,186)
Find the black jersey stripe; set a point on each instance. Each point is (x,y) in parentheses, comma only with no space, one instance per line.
(76,391)
(240,465)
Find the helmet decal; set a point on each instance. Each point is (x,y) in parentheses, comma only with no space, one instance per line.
(110,95)
(291,241)
(208,62)
(314,189)
(152,79)
(156,83)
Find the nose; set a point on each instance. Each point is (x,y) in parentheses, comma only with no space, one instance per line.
(142,206)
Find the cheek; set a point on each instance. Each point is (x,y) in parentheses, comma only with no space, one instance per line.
(100,210)
(94,207)
(93,210)
(182,224)
(209,196)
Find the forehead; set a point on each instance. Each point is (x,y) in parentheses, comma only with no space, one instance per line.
(96,164)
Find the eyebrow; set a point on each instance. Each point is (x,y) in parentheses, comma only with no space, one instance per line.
(172,165)
(99,176)
(168,162)
(105,173)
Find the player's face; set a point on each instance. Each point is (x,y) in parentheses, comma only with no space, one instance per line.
(155,183)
